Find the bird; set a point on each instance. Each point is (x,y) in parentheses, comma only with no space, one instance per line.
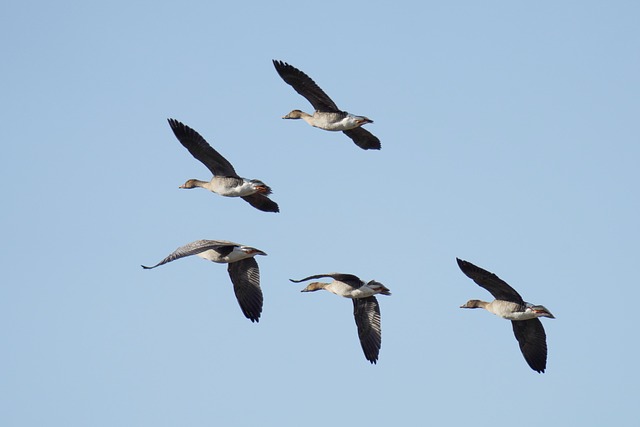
(225,181)
(327,115)
(241,265)
(509,305)
(365,306)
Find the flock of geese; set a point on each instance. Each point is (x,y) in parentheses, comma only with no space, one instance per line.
(243,268)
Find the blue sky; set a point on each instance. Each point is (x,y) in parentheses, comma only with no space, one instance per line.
(510,138)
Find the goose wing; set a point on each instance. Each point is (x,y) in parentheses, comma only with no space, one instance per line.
(363,138)
(245,276)
(305,86)
(367,315)
(349,279)
(262,202)
(533,342)
(194,248)
(492,283)
(201,150)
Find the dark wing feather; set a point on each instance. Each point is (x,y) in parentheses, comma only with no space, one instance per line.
(496,286)
(196,247)
(533,342)
(363,138)
(367,314)
(305,86)
(349,279)
(201,150)
(245,276)
(262,202)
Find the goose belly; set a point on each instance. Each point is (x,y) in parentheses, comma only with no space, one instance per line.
(236,255)
(232,187)
(510,310)
(333,122)
(212,255)
(347,291)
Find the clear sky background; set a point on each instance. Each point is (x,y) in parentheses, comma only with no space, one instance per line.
(510,138)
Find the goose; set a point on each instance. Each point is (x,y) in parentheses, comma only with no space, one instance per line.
(225,181)
(509,305)
(242,267)
(365,306)
(327,115)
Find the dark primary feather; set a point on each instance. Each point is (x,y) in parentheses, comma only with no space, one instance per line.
(305,86)
(196,247)
(349,279)
(245,276)
(492,283)
(533,342)
(262,202)
(366,312)
(201,150)
(363,138)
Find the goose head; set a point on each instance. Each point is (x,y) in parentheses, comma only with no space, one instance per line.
(314,286)
(295,114)
(474,303)
(192,183)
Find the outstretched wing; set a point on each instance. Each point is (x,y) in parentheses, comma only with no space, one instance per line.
(349,279)
(194,248)
(363,138)
(262,202)
(201,150)
(533,342)
(496,286)
(305,86)
(367,315)
(245,276)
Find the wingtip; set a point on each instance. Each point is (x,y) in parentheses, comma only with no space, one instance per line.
(175,124)
(377,146)
(278,64)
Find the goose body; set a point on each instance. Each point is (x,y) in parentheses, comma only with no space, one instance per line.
(242,268)
(327,115)
(366,309)
(330,121)
(225,180)
(509,305)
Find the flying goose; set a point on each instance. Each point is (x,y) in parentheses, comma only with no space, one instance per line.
(225,181)
(242,267)
(365,306)
(327,115)
(508,304)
